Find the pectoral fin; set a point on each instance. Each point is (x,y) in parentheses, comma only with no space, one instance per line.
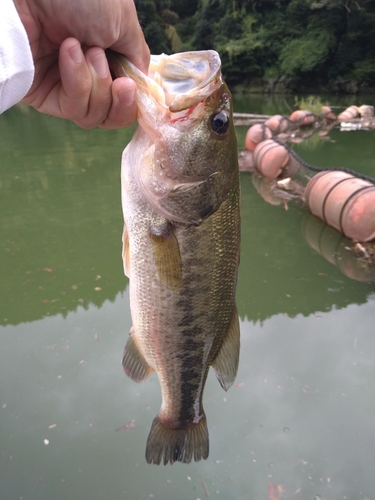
(126,252)
(226,362)
(133,363)
(167,256)
(191,202)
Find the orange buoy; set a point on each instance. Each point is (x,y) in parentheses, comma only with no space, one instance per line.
(302,117)
(366,111)
(327,113)
(277,124)
(256,134)
(335,248)
(343,201)
(270,158)
(349,113)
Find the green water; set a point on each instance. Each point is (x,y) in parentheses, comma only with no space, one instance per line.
(300,415)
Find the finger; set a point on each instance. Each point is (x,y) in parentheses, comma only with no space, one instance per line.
(76,81)
(101,91)
(86,95)
(131,43)
(123,111)
(44,92)
(134,48)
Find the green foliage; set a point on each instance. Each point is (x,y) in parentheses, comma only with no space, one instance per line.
(304,40)
(146,10)
(170,17)
(157,21)
(184,8)
(364,71)
(305,53)
(310,103)
(185,29)
(234,26)
(156,38)
(206,30)
(174,39)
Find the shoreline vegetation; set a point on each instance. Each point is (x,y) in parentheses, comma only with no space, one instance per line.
(274,47)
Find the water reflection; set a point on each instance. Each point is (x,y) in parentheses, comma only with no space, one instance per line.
(355,260)
(61,231)
(301,412)
(280,272)
(61,220)
(338,250)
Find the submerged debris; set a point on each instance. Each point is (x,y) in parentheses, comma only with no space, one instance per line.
(127,426)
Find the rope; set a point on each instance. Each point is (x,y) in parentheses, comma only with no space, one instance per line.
(321,169)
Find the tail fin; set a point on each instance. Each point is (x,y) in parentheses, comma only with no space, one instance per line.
(177,445)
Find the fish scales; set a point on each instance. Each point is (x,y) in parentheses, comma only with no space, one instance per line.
(180,195)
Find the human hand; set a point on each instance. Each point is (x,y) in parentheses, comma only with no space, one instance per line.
(72,78)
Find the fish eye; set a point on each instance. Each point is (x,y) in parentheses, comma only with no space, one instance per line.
(220,123)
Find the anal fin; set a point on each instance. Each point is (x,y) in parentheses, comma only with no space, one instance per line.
(226,362)
(133,363)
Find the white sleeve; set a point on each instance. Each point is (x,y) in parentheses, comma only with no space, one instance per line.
(16,62)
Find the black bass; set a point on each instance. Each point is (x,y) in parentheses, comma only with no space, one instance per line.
(180,198)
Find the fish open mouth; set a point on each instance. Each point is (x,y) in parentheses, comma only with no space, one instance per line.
(186,78)
(177,82)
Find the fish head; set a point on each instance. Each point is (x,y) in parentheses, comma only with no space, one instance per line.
(184,153)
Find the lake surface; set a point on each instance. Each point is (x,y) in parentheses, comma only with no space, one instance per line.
(298,422)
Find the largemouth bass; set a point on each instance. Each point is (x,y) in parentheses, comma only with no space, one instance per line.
(180,198)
